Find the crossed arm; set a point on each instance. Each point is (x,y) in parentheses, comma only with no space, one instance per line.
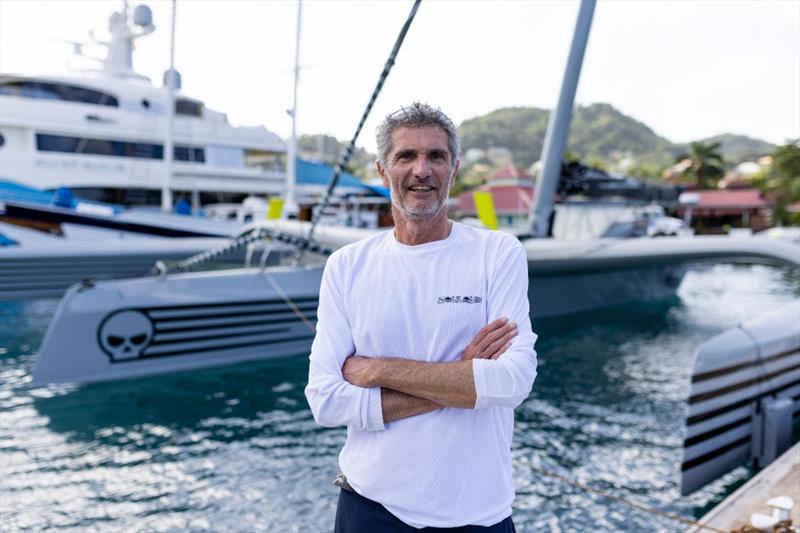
(365,392)
(410,388)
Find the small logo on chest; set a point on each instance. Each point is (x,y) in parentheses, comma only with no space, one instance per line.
(459,300)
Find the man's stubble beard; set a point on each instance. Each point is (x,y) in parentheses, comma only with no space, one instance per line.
(422,213)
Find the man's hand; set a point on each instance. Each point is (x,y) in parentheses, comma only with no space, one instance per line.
(360,370)
(491,341)
(433,384)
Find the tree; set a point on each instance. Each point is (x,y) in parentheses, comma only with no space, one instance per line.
(781,181)
(705,166)
(645,170)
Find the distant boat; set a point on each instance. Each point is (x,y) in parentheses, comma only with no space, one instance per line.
(102,133)
(46,247)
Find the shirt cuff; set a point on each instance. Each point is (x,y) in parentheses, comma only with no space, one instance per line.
(479,377)
(373,410)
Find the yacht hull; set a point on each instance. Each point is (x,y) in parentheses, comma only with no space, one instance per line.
(46,270)
(140,327)
(198,320)
(555,294)
(740,377)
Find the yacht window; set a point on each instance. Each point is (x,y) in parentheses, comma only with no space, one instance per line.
(106,147)
(190,153)
(57,91)
(78,145)
(188,107)
(225,156)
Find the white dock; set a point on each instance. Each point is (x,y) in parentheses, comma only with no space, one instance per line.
(782,477)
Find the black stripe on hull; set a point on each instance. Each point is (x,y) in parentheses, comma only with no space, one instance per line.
(741,385)
(688,465)
(298,301)
(741,403)
(218,337)
(232,315)
(697,439)
(205,331)
(729,370)
(310,317)
(252,344)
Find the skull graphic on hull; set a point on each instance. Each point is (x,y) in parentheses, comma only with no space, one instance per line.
(125,334)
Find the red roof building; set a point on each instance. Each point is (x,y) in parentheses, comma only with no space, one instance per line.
(733,207)
(512,191)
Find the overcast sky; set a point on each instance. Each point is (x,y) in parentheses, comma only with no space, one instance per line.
(687,69)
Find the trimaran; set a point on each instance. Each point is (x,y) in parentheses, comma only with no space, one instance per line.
(178,320)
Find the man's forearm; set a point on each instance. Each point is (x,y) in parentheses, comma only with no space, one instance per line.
(448,384)
(396,405)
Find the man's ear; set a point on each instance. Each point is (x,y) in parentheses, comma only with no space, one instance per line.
(382,173)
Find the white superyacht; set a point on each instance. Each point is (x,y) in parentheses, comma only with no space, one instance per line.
(102,132)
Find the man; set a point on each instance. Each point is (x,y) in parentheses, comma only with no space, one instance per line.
(423,349)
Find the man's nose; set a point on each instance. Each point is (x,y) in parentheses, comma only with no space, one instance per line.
(422,166)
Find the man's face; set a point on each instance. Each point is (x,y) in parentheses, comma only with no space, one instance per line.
(419,171)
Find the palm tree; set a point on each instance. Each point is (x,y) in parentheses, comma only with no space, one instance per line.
(704,164)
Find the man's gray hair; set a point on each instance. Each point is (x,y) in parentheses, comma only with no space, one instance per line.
(417,115)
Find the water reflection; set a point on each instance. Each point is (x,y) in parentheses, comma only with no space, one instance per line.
(237,449)
(249,396)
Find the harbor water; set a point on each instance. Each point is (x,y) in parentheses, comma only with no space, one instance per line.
(236,449)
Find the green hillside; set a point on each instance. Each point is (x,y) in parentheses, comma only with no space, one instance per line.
(599,133)
(739,148)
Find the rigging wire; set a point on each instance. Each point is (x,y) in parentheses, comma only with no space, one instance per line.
(347,154)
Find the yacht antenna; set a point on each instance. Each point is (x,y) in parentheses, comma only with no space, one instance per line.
(170,78)
(119,56)
(290,206)
(555,140)
(345,157)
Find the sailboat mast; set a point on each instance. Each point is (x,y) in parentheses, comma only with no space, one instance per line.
(291,157)
(555,140)
(166,189)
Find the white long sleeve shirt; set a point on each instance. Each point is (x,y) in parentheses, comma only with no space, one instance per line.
(380,298)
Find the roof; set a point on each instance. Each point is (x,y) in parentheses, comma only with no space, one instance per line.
(736,198)
(309,173)
(11,191)
(508,200)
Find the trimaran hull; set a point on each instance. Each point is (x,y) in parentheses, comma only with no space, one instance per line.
(121,329)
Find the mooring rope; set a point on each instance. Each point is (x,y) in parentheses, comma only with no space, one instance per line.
(347,154)
(634,505)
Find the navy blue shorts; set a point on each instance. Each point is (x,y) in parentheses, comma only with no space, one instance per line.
(357,514)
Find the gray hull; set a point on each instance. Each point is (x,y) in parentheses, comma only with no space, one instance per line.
(120,329)
(47,271)
(555,294)
(134,328)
